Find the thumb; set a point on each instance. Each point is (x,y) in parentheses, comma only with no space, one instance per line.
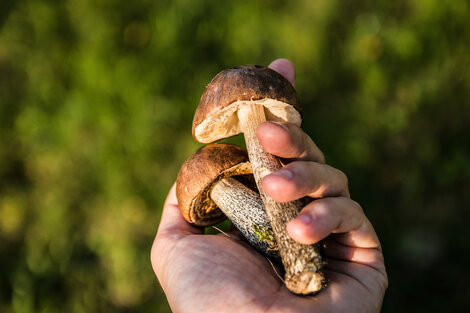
(285,68)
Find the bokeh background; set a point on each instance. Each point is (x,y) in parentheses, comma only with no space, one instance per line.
(96,105)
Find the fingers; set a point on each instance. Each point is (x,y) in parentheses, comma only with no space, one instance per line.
(301,178)
(298,179)
(285,68)
(340,216)
(286,140)
(354,239)
(362,274)
(367,256)
(364,235)
(172,222)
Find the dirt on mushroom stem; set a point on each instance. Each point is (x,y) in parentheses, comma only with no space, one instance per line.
(245,210)
(302,263)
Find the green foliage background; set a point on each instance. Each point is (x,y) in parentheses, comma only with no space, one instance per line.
(96,104)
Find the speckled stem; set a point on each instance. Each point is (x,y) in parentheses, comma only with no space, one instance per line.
(302,263)
(246,211)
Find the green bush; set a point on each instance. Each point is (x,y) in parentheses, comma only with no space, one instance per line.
(96,104)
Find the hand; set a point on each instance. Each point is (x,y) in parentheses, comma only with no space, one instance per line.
(215,273)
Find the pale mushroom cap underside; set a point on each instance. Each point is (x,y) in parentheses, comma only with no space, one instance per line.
(225,123)
(216,116)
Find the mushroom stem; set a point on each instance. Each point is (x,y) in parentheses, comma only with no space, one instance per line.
(245,209)
(302,263)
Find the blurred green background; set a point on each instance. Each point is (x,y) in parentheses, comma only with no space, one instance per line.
(96,105)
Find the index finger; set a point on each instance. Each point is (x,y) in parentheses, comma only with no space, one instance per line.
(282,139)
(285,68)
(288,141)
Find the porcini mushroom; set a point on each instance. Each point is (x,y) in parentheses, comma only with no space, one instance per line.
(208,192)
(236,101)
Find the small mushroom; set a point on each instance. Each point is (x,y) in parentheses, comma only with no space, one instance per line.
(236,101)
(208,191)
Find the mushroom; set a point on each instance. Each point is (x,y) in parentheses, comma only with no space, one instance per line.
(236,101)
(208,191)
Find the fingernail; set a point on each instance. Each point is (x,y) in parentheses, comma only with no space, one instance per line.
(304,219)
(282,125)
(285,174)
(263,171)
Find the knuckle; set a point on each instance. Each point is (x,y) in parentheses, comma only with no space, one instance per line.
(311,151)
(157,248)
(343,177)
(382,281)
(321,206)
(385,283)
(155,254)
(356,207)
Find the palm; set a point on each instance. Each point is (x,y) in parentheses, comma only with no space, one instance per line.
(241,280)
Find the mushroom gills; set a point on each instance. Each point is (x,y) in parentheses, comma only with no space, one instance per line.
(212,128)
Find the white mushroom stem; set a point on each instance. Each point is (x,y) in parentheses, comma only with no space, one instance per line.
(302,263)
(245,209)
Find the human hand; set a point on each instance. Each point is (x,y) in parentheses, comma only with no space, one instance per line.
(216,273)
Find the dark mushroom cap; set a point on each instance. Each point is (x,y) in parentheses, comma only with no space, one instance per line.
(200,172)
(216,115)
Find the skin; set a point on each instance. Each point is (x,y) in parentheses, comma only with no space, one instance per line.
(217,273)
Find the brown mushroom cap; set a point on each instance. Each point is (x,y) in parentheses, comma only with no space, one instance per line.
(200,172)
(216,116)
